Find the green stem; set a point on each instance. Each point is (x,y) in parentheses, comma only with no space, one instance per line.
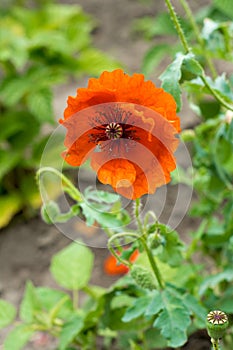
(112,250)
(215,343)
(215,94)
(75,194)
(200,40)
(187,50)
(177,26)
(75,298)
(149,254)
(153,263)
(147,249)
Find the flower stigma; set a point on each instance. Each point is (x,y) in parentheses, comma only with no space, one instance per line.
(114,131)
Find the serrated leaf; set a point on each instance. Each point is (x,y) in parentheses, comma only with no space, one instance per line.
(18,337)
(170,79)
(40,105)
(7,313)
(170,251)
(156,304)
(13,90)
(30,304)
(173,320)
(138,308)
(69,331)
(72,266)
(196,308)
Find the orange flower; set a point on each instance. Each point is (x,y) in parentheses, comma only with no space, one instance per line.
(112,267)
(128,131)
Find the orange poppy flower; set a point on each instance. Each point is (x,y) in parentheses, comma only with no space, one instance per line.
(112,267)
(128,127)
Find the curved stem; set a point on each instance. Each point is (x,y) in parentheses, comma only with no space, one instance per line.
(177,26)
(200,40)
(149,254)
(112,250)
(215,94)
(76,195)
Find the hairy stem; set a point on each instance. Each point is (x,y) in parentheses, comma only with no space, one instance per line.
(177,26)
(200,40)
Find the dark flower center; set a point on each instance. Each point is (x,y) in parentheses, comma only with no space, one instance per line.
(113,131)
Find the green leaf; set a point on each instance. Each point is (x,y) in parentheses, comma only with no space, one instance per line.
(93,61)
(138,308)
(194,306)
(100,196)
(51,299)
(93,212)
(174,320)
(214,280)
(170,251)
(153,57)
(7,313)
(156,304)
(191,65)
(225,6)
(30,304)
(12,90)
(9,206)
(121,300)
(170,79)
(8,160)
(40,105)
(72,266)
(18,337)
(69,331)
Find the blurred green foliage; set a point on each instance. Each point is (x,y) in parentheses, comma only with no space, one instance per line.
(214,22)
(41,46)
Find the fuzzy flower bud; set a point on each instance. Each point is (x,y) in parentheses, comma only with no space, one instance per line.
(142,277)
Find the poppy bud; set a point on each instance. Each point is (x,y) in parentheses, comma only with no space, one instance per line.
(217,323)
(142,277)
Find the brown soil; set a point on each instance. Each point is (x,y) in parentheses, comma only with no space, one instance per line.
(27,247)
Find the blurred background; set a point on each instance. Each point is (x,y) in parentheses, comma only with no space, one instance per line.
(47,50)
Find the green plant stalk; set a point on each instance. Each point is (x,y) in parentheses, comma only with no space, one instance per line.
(76,195)
(215,343)
(215,94)
(188,50)
(75,298)
(177,26)
(147,249)
(200,40)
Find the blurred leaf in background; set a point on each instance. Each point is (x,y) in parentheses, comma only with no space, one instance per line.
(42,45)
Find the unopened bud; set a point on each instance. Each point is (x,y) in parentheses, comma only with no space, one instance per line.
(143,277)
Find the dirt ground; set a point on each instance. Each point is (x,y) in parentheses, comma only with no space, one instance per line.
(27,247)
